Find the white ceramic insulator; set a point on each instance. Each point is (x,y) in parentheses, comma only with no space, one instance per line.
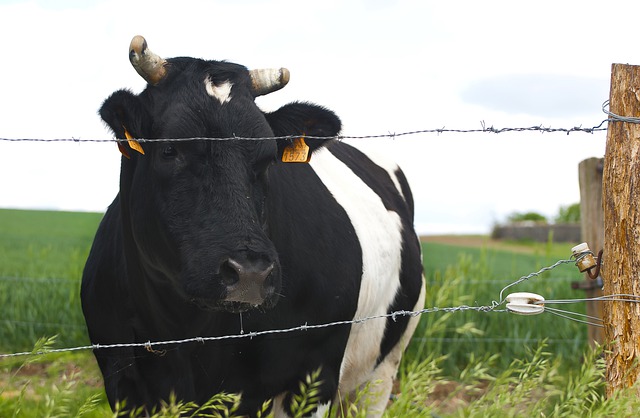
(525,303)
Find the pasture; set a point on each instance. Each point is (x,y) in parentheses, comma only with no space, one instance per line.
(458,364)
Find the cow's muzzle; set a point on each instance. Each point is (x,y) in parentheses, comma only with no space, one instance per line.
(248,280)
(240,281)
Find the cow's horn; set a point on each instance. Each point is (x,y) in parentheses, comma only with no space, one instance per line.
(267,81)
(149,65)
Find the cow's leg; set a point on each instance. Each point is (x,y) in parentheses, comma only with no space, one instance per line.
(374,393)
(277,406)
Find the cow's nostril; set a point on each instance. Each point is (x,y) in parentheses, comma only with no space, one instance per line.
(229,274)
(250,271)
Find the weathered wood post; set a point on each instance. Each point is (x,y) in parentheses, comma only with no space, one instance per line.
(621,198)
(592,232)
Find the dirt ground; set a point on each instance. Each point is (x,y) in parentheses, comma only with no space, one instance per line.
(479,241)
(464,240)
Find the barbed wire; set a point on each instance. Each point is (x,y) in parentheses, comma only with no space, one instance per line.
(493,307)
(392,135)
(611,117)
(306,327)
(149,345)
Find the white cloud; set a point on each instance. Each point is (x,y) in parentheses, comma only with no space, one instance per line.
(547,96)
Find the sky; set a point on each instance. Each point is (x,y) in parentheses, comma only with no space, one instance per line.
(383,66)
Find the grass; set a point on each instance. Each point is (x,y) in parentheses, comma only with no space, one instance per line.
(460,364)
(459,276)
(42,255)
(45,244)
(531,385)
(53,385)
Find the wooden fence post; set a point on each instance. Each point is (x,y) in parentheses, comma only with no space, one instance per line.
(621,261)
(592,232)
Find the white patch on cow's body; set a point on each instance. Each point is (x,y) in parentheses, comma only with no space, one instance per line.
(221,92)
(381,378)
(379,232)
(322,410)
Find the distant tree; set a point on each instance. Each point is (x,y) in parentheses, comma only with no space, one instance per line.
(568,214)
(527,216)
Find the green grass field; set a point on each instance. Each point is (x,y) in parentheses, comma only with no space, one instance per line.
(475,276)
(458,364)
(42,255)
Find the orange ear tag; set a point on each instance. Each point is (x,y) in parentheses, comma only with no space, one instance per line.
(133,143)
(124,151)
(298,152)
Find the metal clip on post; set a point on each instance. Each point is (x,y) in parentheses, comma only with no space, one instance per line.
(585,260)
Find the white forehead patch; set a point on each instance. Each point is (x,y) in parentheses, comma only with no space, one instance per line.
(221,92)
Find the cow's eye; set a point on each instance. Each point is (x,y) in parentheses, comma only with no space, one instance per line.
(169,151)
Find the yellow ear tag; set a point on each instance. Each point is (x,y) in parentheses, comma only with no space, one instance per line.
(133,143)
(298,152)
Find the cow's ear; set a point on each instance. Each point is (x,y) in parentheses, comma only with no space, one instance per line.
(303,119)
(126,117)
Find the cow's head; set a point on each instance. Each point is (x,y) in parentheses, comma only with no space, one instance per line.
(194,211)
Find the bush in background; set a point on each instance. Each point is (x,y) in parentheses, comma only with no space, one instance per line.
(568,214)
(526,217)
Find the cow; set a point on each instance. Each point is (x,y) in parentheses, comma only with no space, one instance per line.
(215,233)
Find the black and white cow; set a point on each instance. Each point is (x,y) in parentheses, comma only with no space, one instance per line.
(208,238)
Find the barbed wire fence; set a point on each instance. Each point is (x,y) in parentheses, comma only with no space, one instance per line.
(612,117)
(483,129)
(493,307)
(149,345)
(496,306)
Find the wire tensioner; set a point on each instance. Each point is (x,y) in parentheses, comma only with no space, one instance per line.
(525,303)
